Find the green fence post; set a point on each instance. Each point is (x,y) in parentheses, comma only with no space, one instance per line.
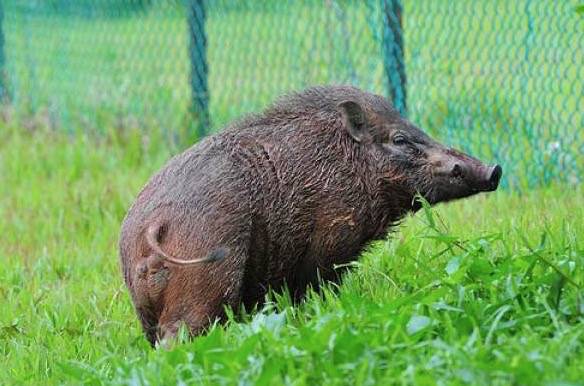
(3,76)
(199,70)
(393,53)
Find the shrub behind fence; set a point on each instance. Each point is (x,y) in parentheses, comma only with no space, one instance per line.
(500,79)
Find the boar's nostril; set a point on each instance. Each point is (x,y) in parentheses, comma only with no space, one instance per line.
(456,171)
(495,173)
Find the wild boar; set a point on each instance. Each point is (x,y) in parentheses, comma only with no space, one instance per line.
(280,198)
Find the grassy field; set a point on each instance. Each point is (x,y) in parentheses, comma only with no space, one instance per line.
(482,291)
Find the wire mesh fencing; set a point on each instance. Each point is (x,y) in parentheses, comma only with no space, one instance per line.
(500,79)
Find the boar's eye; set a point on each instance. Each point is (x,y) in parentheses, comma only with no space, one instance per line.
(400,140)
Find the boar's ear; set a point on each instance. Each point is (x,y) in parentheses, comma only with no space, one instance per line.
(354,120)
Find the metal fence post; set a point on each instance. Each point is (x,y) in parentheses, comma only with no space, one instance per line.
(393,53)
(199,69)
(3,76)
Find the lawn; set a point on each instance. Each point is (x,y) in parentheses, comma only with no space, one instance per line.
(487,290)
(482,291)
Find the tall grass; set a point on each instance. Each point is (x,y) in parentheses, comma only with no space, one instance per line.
(482,291)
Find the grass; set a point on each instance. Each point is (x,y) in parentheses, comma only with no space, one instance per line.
(482,291)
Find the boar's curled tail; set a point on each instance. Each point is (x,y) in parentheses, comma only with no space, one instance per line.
(153,239)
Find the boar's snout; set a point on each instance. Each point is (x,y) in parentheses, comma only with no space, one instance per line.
(479,177)
(458,175)
(482,178)
(492,178)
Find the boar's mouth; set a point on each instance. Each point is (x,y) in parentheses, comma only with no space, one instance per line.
(462,180)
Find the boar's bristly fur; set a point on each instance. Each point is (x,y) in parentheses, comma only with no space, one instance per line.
(280,198)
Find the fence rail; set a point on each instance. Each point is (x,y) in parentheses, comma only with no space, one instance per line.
(501,79)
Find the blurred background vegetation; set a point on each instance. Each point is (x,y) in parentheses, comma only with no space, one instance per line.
(501,79)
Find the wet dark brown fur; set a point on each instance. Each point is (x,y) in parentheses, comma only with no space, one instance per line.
(277,198)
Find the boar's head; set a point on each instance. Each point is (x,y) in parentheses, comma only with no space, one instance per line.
(407,160)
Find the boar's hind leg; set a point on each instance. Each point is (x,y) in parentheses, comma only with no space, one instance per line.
(197,295)
(150,281)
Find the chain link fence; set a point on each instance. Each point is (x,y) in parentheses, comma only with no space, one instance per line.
(500,79)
